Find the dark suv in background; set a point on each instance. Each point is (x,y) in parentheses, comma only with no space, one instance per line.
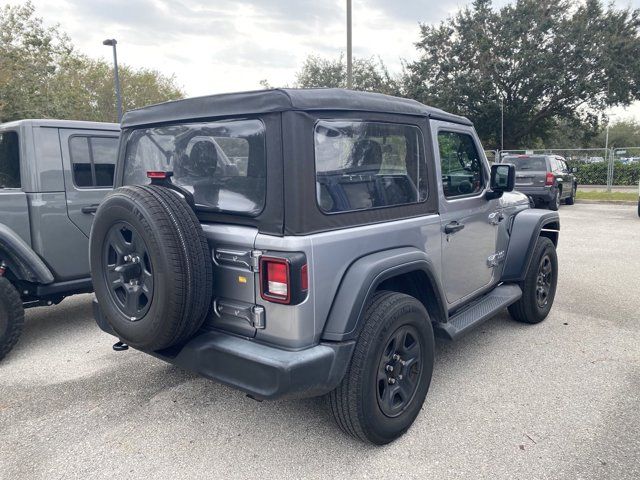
(544,178)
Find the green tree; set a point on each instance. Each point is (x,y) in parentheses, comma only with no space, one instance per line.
(552,62)
(43,76)
(624,133)
(369,74)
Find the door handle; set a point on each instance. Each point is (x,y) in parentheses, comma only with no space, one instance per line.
(90,209)
(453,227)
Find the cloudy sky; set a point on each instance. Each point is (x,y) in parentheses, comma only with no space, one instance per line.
(230,45)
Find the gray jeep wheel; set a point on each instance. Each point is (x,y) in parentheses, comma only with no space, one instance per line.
(150,266)
(11,317)
(387,381)
(539,286)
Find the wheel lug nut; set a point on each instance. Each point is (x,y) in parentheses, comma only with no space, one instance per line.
(389,368)
(399,377)
(396,357)
(403,363)
(392,381)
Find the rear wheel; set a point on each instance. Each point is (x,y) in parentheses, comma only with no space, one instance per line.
(554,203)
(539,286)
(150,266)
(390,372)
(11,317)
(571,199)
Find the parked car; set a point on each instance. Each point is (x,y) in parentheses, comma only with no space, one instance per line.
(328,265)
(594,160)
(53,174)
(544,178)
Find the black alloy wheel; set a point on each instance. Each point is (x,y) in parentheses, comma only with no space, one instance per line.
(544,281)
(128,270)
(399,371)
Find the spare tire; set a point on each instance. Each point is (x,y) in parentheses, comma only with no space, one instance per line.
(151,267)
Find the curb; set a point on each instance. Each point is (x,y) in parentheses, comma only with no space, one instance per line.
(610,202)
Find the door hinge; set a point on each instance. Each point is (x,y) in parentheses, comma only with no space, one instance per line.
(254,314)
(495,218)
(255,260)
(495,259)
(257,316)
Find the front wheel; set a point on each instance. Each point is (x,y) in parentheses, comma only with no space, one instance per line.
(539,286)
(390,372)
(11,316)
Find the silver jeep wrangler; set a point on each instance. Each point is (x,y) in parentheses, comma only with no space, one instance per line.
(53,174)
(295,243)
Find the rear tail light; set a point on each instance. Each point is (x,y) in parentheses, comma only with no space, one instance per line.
(284,279)
(277,278)
(304,277)
(549,179)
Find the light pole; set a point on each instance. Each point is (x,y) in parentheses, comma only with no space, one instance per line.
(501,124)
(349,58)
(608,154)
(112,42)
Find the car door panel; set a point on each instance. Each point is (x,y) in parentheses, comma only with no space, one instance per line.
(466,251)
(83,174)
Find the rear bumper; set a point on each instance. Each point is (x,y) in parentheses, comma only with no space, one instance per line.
(544,194)
(262,371)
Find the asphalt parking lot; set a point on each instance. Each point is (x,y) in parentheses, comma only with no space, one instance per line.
(556,400)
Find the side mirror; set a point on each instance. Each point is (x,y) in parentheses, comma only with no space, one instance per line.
(574,169)
(503,179)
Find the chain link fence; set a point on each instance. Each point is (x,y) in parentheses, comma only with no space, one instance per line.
(596,166)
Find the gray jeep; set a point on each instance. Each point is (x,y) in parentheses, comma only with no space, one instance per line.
(53,173)
(296,243)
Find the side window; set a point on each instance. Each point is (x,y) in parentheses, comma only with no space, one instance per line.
(462,172)
(9,160)
(554,164)
(365,165)
(93,159)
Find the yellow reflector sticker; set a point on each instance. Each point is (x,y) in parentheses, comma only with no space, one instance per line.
(242,279)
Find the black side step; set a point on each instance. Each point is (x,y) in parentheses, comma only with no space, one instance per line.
(478,312)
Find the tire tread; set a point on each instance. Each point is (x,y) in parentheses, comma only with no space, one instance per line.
(15,312)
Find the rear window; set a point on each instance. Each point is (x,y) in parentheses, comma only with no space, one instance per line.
(9,160)
(93,159)
(527,163)
(223,164)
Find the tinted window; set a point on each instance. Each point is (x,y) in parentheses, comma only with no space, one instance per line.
(363,165)
(555,167)
(222,163)
(461,164)
(527,163)
(93,160)
(563,167)
(9,160)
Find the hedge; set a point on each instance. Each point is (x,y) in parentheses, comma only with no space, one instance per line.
(596,173)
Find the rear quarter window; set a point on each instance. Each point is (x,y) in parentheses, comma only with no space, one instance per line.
(366,165)
(93,160)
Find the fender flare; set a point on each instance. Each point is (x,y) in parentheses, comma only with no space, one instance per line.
(25,263)
(360,281)
(527,226)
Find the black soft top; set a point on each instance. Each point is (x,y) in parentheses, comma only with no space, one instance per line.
(280,100)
